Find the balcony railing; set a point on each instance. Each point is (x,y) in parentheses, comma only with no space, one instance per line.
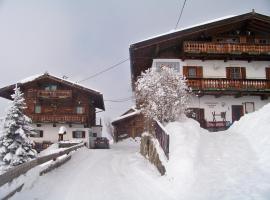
(229,84)
(71,118)
(61,94)
(225,48)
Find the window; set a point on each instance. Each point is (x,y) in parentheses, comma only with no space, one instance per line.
(78,134)
(51,87)
(192,71)
(37,134)
(37,109)
(236,72)
(79,110)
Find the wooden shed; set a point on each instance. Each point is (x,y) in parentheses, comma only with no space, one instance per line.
(129,124)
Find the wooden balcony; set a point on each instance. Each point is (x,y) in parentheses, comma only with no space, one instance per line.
(226,48)
(70,118)
(223,84)
(47,94)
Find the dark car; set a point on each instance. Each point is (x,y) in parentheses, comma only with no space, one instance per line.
(102,143)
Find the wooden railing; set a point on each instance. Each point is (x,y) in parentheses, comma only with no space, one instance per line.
(228,84)
(58,118)
(225,48)
(162,137)
(23,168)
(48,94)
(61,94)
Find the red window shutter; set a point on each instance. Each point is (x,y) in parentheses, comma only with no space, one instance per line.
(83,134)
(185,71)
(199,72)
(228,72)
(243,72)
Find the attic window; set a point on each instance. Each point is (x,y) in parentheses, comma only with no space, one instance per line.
(51,87)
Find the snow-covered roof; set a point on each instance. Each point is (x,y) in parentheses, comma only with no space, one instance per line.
(97,96)
(36,76)
(129,114)
(185,28)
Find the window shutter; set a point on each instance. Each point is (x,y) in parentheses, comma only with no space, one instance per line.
(199,72)
(228,72)
(267,70)
(73,134)
(243,73)
(83,134)
(185,71)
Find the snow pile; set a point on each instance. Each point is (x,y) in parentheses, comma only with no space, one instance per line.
(221,165)
(255,127)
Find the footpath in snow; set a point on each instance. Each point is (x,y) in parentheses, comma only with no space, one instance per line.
(118,173)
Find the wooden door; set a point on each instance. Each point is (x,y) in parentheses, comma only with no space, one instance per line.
(198,115)
(237,112)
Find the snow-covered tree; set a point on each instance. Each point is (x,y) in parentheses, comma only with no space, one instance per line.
(15,145)
(162,94)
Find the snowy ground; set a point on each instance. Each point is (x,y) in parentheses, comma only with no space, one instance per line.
(228,165)
(119,173)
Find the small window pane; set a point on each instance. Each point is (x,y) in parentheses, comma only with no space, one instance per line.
(235,73)
(192,72)
(37,109)
(79,110)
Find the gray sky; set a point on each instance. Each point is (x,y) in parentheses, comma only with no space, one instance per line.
(79,38)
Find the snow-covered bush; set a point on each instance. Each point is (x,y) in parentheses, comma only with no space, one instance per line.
(15,145)
(162,94)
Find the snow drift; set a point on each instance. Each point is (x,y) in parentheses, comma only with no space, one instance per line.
(232,164)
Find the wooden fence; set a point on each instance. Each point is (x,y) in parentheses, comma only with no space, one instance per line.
(23,168)
(162,137)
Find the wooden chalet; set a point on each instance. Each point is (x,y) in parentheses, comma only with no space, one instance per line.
(226,62)
(54,102)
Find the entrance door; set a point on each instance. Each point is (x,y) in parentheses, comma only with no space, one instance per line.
(237,112)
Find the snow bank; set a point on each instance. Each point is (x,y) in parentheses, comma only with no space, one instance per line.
(255,127)
(221,165)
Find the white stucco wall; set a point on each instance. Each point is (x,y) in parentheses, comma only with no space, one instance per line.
(224,104)
(217,68)
(50,133)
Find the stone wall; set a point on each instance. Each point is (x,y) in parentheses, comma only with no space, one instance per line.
(149,151)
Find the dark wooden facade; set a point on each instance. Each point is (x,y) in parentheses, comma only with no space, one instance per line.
(130,124)
(53,100)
